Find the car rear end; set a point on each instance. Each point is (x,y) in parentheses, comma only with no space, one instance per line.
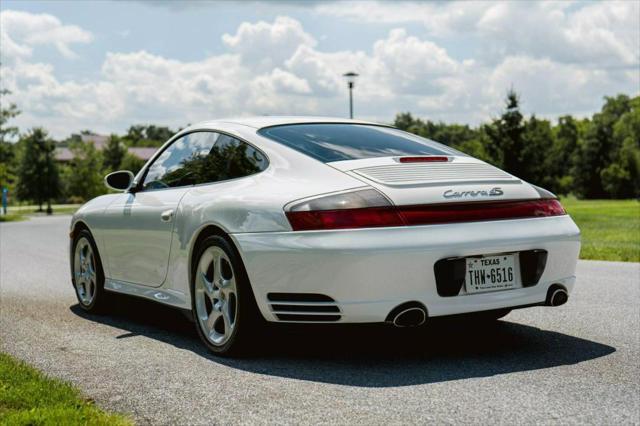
(430,229)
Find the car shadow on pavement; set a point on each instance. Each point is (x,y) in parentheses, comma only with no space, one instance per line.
(368,355)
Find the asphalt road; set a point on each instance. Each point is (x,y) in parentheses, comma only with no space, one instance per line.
(579,363)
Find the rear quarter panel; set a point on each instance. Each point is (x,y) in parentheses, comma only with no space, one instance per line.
(252,204)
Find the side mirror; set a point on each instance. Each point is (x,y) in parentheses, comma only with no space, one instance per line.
(120,180)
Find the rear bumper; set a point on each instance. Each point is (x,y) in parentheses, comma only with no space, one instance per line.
(368,272)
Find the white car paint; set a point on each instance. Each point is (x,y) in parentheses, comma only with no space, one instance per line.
(367,271)
(371,271)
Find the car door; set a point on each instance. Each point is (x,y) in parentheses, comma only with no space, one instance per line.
(138,238)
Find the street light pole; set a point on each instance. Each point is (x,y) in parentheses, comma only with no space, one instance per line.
(350,99)
(351,79)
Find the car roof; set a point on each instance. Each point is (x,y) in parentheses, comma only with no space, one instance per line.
(268,121)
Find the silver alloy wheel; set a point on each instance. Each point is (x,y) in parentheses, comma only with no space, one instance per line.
(216,295)
(84,269)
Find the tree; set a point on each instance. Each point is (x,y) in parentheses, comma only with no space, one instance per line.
(448,134)
(112,154)
(560,160)
(598,149)
(459,136)
(6,114)
(592,158)
(83,176)
(132,163)
(478,146)
(518,145)
(38,178)
(506,136)
(7,148)
(537,141)
(404,121)
(621,178)
(147,135)
(158,133)
(7,165)
(135,134)
(74,137)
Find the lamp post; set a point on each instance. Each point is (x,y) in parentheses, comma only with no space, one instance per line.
(351,79)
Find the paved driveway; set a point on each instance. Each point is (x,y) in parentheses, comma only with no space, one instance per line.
(575,364)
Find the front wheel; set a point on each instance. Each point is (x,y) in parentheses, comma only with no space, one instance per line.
(88,275)
(223,305)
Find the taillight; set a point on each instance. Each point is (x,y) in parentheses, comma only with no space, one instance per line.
(372,217)
(365,208)
(369,209)
(479,211)
(358,199)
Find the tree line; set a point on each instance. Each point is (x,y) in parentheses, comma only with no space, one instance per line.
(31,173)
(596,157)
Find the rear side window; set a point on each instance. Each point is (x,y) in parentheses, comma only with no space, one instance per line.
(203,157)
(336,142)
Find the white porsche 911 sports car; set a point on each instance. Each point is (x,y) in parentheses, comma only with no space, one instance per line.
(316,220)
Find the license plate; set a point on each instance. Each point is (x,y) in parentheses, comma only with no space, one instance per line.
(490,273)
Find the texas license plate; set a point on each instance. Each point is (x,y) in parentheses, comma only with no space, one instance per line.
(490,273)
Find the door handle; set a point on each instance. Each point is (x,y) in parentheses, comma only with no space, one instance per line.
(166,216)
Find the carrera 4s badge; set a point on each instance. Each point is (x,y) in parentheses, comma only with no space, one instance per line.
(494,192)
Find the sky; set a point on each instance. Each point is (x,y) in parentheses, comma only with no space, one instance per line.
(105,65)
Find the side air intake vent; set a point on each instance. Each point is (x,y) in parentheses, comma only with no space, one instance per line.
(304,307)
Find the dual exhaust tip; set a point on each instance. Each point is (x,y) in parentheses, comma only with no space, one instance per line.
(414,314)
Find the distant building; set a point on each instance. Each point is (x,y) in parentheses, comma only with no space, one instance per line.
(142,152)
(99,141)
(64,155)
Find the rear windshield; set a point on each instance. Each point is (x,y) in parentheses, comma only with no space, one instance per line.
(336,142)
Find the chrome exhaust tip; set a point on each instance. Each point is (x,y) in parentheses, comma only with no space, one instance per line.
(412,317)
(410,314)
(557,295)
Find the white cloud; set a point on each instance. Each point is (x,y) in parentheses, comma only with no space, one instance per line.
(280,92)
(602,33)
(323,70)
(277,68)
(439,18)
(268,44)
(412,65)
(148,79)
(20,32)
(554,88)
(281,82)
(60,107)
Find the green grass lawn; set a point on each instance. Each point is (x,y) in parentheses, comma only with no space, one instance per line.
(16,213)
(28,397)
(12,217)
(31,208)
(610,228)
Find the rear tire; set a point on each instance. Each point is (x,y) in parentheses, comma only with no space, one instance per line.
(224,309)
(87,274)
